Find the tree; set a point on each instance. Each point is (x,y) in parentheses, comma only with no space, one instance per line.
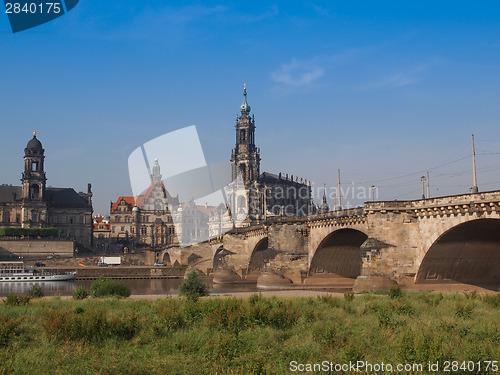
(192,287)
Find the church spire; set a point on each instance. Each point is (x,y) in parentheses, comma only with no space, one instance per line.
(156,176)
(324,206)
(245,108)
(245,157)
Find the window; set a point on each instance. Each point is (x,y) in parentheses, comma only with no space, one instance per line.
(72,220)
(64,219)
(113,229)
(80,219)
(117,219)
(123,229)
(55,219)
(34,166)
(6,217)
(34,191)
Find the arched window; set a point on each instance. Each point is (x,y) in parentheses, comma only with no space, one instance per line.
(34,191)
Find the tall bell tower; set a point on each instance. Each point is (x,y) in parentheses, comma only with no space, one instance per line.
(245,157)
(33,180)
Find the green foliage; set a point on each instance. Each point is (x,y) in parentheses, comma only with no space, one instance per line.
(492,299)
(16,300)
(395,292)
(89,325)
(104,287)
(8,329)
(79,310)
(80,293)
(192,287)
(464,310)
(29,232)
(244,335)
(36,291)
(349,296)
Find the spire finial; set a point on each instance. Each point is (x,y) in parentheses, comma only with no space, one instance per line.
(34,133)
(245,108)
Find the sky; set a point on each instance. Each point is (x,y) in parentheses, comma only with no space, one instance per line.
(384,91)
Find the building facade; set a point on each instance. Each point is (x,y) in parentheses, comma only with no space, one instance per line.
(156,220)
(34,205)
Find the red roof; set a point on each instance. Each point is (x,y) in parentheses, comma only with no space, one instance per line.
(131,201)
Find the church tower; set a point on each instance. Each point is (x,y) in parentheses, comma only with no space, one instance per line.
(33,181)
(245,157)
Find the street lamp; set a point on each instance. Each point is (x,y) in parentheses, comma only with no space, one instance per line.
(423,186)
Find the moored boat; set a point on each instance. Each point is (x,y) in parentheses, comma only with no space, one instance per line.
(18,272)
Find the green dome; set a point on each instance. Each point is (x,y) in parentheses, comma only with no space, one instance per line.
(245,108)
(135,209)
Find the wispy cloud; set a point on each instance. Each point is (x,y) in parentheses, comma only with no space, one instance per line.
(322,11)
(168,21)
(298,73)
(270,12)
(399,79)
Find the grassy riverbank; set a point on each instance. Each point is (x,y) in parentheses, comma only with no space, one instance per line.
(253,335)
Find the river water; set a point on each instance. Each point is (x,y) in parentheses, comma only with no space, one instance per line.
(138,287)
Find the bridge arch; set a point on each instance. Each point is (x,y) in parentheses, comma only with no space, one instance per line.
(219,258)
(166,259)
(261,255)
(467,253)
(339,253)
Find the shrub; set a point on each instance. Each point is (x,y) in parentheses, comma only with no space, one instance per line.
(103,287)
(463,310)
(80,293)
(492,299)
(79,310)
(8,329)
(15,300)
(192,287)
(395,292)
(349,296)
(89,326)
(36,291)
(171,317)
(29,232)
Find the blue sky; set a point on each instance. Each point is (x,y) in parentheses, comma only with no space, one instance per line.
(382,90)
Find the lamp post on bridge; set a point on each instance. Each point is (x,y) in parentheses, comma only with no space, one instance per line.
(423,186)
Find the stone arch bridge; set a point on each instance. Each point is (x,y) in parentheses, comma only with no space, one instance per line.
(453,238)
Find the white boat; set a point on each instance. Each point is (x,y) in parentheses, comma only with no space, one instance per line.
(18,272)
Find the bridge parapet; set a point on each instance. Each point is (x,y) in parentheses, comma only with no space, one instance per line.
(450,205)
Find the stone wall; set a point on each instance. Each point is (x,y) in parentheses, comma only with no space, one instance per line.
(36,249)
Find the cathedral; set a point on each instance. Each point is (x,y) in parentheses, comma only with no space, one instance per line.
(267,194)
(34,205)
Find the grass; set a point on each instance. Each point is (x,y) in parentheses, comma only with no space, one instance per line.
(244,336)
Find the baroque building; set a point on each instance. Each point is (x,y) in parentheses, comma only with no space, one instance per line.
(147,219)
(34,205)
(155,219)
